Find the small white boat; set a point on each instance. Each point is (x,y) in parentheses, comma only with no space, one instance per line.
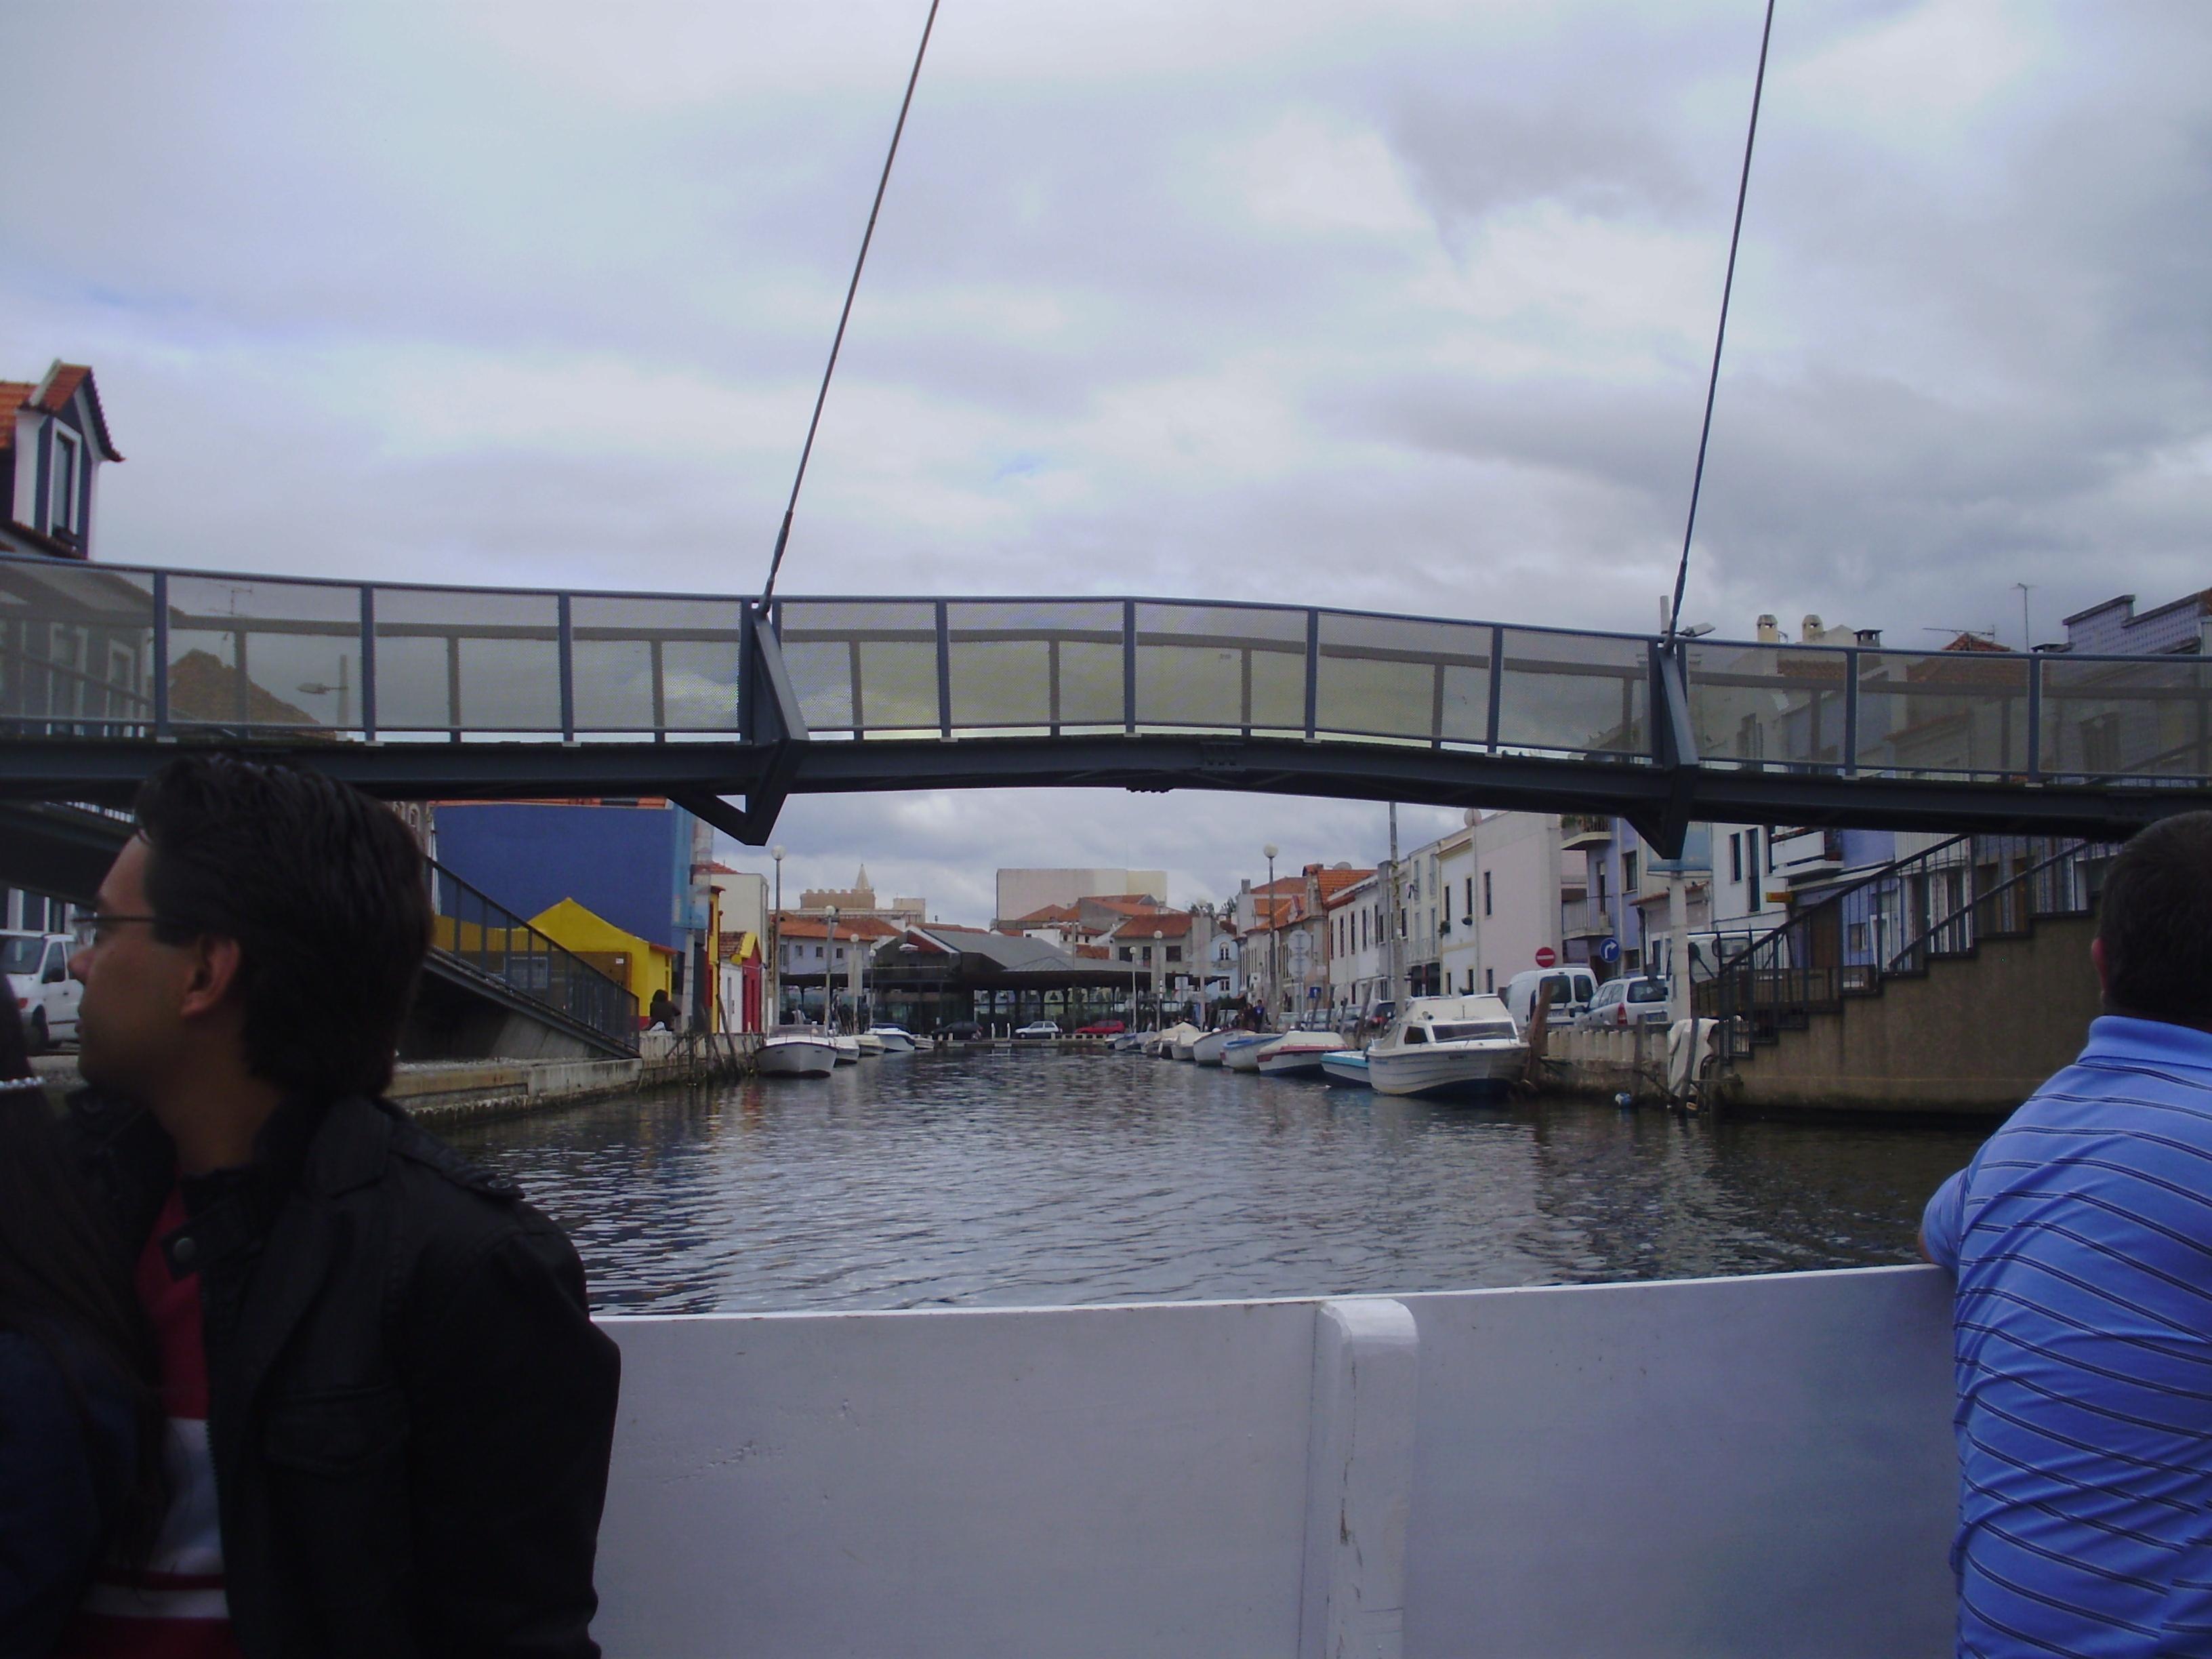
(1299,1054)
(1466,1046)
(1207,1050)
(797,1051)
(848,1049)
(1346,1068)
(872,1047)
(1161,1045)
(895,1039)
(1241,1052)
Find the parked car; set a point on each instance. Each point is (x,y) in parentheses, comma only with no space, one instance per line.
(960,1030)
(47,994)
(1638,999)
(1380,1015)
(1040,1028)
(1572,988)
(1101,1028)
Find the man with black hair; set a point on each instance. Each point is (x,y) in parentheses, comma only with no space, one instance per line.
(2080,1237)
(390,1412)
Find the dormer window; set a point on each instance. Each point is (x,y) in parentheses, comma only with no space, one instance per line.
(68,468)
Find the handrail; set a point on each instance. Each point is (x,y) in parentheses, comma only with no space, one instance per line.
(1777,981)
(542,969)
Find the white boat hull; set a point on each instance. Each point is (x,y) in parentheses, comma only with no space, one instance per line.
(895,1042)
(1347,1066)
(797,1057)
(1296,1054)
(1478,1069)
(1207,1051)
(848,1051)
(1244,1057)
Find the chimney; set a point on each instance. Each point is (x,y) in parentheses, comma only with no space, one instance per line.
(1810,630)
(1770,632)
(1869,637)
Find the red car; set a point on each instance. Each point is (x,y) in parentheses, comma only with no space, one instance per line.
(1104,1028)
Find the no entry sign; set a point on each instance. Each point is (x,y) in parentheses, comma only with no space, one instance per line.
(1546,957)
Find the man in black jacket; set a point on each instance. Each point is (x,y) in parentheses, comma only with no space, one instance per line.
(379,1355)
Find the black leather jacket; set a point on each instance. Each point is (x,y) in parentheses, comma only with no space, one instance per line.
(409,1408)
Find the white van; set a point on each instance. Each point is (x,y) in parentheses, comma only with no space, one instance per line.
(1572,988)
(37,967)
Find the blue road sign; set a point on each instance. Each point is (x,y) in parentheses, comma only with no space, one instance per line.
(1609,951)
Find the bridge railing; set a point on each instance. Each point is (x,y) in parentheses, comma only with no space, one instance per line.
(482,934)
(113,650)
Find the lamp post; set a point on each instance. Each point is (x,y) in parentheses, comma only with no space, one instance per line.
(775,938)
(1132,990)
(829,969)
(1159,975)
(1274,974)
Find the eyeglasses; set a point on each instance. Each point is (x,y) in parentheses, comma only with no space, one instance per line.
(90,929)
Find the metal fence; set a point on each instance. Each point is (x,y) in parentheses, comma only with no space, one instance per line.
(1944,902)
(91,650)
(488,939)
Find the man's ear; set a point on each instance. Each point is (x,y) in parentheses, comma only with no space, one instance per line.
(2104,968)
(212,972)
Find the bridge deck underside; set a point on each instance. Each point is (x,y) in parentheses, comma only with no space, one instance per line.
(108,771)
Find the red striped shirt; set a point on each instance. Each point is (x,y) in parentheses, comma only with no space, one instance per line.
(174,1607)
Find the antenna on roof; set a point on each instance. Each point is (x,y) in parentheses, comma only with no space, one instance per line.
(783,535)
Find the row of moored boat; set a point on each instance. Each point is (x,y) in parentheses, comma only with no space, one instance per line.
(816,1051)
(1468,1045)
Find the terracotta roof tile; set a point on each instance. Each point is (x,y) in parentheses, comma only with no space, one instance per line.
(14,394)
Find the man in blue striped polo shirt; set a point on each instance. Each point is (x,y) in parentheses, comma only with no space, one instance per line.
(2080,1237)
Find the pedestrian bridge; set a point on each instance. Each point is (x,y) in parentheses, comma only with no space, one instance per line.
(418,691)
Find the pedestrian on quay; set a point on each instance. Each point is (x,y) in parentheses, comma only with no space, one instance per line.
(79,1419)
(661,1013)
(2081,1237)
(390,1412)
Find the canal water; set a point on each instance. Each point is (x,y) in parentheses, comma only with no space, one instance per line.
(1038,1177)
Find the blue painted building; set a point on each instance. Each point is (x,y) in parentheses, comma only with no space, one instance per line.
(628,862)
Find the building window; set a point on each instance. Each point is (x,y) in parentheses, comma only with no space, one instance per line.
(1490,980)
(1736,858)
(1470,893)
(1175,953)
(61,495)
(1485,892)
(1628,872)
(1125,954)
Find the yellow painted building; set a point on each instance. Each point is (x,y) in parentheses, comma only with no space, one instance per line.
(638,964)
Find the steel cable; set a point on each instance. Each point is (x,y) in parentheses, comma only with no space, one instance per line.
(783,535)
(1727,286)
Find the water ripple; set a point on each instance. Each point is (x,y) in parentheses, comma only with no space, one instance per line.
(1033,1178)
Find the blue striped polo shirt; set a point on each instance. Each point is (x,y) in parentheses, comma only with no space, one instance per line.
(2080,1237)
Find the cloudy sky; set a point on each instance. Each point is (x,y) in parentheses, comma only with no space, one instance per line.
(1404,305)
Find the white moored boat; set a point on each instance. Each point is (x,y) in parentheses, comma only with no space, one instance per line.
(1241,1052)
(1299,1054)
(872,1047)
(1161,1045)
(895,1039)
(798,1051)
(1207,1050)
(1346,1068)
(848,1049)
(1465,1046)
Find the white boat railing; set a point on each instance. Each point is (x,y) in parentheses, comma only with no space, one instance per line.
(1753,1466)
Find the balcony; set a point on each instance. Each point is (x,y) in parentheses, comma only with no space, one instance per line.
(1583,830)
(1586,918)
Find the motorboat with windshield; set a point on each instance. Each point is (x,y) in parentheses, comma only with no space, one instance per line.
(798,1051)
(895,1039)
(1466,1046)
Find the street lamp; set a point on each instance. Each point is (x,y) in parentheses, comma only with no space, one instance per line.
(1274,974)
(829,968)
(776,932)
